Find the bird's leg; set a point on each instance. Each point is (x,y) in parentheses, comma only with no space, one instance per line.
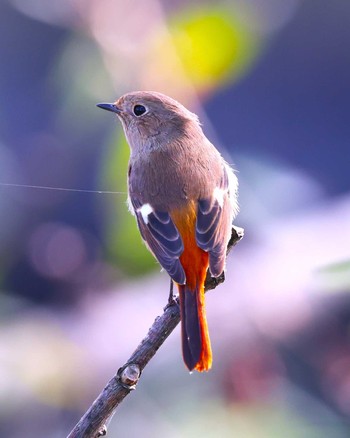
(171,300)
(171,292)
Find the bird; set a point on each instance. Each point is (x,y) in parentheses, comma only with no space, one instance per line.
(184,196)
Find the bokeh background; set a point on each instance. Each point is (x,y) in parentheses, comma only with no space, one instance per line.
(270,82)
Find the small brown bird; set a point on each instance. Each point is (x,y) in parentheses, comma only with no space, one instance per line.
(184,196)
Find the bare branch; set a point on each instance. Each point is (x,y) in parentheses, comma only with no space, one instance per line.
(93,423)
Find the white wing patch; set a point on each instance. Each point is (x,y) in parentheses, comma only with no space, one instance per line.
(232,188)
(219,195)
(145,210)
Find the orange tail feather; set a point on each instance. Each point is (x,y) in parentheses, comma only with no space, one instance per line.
(196,347)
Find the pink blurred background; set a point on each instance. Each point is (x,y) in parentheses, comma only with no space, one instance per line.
(270,82)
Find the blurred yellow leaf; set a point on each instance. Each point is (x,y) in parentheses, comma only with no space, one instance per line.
(212,43)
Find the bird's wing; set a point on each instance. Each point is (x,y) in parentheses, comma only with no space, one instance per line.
(214,221)
(162,238)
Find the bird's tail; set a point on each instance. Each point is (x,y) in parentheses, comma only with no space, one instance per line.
(196,347)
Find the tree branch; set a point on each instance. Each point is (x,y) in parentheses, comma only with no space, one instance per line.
(93,422)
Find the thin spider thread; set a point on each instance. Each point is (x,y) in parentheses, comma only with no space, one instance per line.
(62,189)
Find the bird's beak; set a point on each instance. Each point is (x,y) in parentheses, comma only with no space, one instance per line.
(109,107)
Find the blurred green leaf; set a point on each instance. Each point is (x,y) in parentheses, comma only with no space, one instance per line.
(337,268)
(254,420)
(335,277)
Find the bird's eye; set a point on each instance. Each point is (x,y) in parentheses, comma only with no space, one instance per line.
(139,110)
